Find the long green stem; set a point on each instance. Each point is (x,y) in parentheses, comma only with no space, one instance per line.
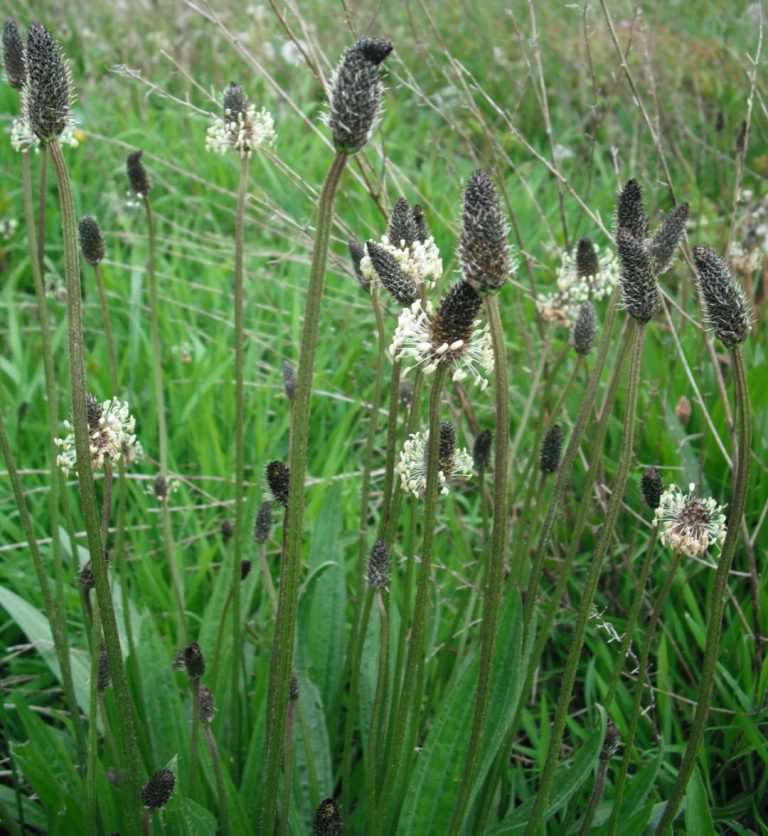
(162,427)
(219,773)
(634,336)
(285,627)
(88,491)
(57,614)
(719,591)
(410,698)
(494,582)
(237,552)
(378,712)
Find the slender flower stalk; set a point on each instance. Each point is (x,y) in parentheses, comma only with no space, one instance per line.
(87,488)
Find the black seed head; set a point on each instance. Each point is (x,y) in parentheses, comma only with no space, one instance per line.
(481,450)
(638,285)
(47,90)
(630,212)
(652,487)
(102,682)
(227,530)
(483,249)
(420,222)
(93,412)
(192,660)
(91,242)
(549,458)
(159,789)
(399,285)
(402,225)
(293,688)
(160,487)
(327,821)
(667,238)
(455,317)
(447,448)
(279,481)
(13,54)
(263,524)
(378,565)
(207,705)
(724,301)
(137,174)
(235,102)
(289,379)
(245,569)
(586,259)
(357,253)
(584,329)
(356,94)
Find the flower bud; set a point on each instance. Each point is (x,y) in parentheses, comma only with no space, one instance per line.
(137,174)
(159,789)
(13,54)
(91,242)
(279,481)
(481,450)
(549,458)
(47,96)
(724,301)
(378,565)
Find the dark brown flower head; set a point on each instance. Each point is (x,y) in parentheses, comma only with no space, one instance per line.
(549,457)
(725,304)
(47,95)
(263,524)
(584,329)
(664,242)
(235,101)
(293,688)
(13,54)
(91,241)
(327,821)
(289,379)
(402,230)
(159,789)
(483,249)
(356,92)
(357,254)
(137,174)
(447,449)
(87,580)
(420,222)
(245,569)
(160,488)
(638,284)
(93,412)
(103,679)
(652,487)
(630,211)
(226,530)
(378,565)
(207,705)
(191,660)
(398,283)
(586,259)
(481,450)
(455,317)
(279,481)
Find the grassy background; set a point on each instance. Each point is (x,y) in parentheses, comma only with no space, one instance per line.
(690,66)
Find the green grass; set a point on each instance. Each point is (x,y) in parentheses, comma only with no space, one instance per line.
(428,144)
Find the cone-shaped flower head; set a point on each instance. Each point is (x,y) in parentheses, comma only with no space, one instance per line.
(241,127)
(378,565)
(91,241)
(402,231)
(279,481)
(486,261)
(191,660)
(356,92)
(399,284)
(13,54)
(447,448)
(448,335)
(263,525)
(47,94)
(664,243)
(551,446)
(652,487)
(638,283)
(159,789)
(726,307)
(245,569)
(584,329)
(453,463)
(137,175)
(688,523)
(207,705)
(630,211)
(327,821)
(481,450)
(586,259)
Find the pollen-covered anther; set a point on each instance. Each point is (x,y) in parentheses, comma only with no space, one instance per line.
(453,463)
(689,524)
(241,127)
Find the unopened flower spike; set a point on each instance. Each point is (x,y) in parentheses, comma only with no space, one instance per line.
(402,225)
(630,211)
(378,565)
(551,447)
(191,660)
(263,525)
(159,789)
(13,54)
(207,705)
(47,95)
(689,524)
(664,243)
(586,259)
(355,94)
(138,178)
(652,487)
(327,820)
(638,283)
(584,329)
(448,335)
(726,307)
(481,450)
(279,481)
(241,127)
(453,463)
(484,252)
(386,268)
(91,240)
